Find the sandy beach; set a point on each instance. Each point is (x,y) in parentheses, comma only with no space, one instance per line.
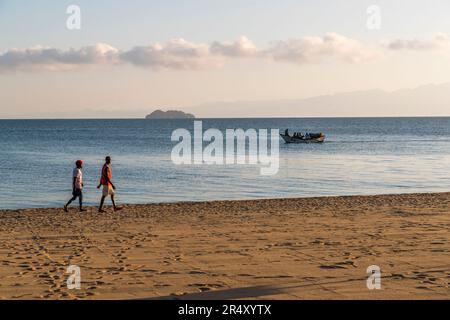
(315,248)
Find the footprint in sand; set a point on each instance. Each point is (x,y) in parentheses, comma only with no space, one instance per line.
(197,272)
(202,287)
(162,285)
(168,272)
(334,266)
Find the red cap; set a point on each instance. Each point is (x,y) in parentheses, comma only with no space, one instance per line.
(79,163)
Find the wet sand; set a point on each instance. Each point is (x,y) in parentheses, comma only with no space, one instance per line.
(315,248)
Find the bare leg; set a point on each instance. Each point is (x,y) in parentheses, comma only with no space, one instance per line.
(113,202)
(101,203)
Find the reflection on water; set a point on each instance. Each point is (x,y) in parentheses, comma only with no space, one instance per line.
(360,156)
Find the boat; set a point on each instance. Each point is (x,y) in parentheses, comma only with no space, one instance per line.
(300,138)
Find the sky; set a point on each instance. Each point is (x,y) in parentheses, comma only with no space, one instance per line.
(130,58)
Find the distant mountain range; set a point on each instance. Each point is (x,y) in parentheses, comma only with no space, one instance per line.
(427,100)
(170,114)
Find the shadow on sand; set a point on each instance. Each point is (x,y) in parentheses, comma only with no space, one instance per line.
(229,294)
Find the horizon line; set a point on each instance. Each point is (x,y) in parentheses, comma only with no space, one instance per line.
(255,117)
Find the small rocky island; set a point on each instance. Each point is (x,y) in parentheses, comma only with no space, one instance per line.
(170,114)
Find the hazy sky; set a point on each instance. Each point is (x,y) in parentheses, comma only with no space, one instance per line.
(131,57)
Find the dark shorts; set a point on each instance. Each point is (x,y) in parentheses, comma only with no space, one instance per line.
(77,193)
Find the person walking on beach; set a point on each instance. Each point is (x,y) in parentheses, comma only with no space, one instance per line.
(108,187)
(77,186)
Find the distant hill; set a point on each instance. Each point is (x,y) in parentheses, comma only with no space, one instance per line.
(426,100)
(170,114)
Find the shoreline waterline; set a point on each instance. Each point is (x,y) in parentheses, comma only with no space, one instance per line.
(74,206)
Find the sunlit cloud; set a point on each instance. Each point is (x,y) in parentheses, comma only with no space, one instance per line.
(57,59)
(315,49)
(175,54)
(243,47)
(180,54)
(440,41)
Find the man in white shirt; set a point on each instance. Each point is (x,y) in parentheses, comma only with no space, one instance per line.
(77,186)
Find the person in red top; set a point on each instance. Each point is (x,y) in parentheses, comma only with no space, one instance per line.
(108,187)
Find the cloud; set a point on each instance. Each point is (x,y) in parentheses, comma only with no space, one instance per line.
(440,41)
(184,55)
(179,54)
(175,54)
(57,59)
(315,49)
(243,47)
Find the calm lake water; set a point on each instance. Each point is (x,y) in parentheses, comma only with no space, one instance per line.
(360,156)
